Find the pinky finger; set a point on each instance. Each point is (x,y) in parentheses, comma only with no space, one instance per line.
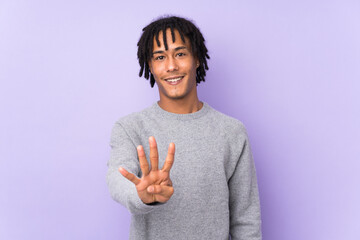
(131,177)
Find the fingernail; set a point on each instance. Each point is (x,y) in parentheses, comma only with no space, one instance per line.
(151,189)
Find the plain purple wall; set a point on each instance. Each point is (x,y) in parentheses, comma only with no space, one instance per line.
(289,70)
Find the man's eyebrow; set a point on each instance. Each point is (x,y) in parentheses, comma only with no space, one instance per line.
(179,48)
(176,49)
(158,52)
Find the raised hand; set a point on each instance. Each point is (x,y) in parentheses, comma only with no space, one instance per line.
(155,185)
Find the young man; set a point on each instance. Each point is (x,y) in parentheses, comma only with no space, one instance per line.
(211,192)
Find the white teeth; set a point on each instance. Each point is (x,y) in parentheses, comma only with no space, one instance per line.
(174,79)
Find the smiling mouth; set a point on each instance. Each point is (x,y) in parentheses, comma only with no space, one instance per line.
(174,81)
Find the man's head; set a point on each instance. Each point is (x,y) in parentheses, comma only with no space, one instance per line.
(155,35)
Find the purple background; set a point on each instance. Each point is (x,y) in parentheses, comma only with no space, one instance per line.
(289,70)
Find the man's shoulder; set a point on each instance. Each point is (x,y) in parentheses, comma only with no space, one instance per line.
(134,117)
(229,123)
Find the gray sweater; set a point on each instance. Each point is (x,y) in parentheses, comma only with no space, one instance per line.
(213,175)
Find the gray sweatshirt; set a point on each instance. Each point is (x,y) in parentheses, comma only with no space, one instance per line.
(213,175)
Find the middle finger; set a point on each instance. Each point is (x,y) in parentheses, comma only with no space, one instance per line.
(144,165)
(154,155)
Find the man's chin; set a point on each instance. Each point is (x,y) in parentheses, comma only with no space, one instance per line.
(175,97)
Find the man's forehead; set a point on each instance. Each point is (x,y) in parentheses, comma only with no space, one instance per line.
(172,35)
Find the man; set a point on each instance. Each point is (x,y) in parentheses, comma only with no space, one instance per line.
(211,192)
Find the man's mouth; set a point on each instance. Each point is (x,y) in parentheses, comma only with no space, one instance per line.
(175,80)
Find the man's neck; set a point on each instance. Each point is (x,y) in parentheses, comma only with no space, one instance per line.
(181,106)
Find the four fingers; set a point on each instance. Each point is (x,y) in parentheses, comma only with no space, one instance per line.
(154,157)
(164,191)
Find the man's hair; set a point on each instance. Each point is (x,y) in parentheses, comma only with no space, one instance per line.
(185,28)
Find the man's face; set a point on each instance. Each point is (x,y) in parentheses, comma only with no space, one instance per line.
(174,69)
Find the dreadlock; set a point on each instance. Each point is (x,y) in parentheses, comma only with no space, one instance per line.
(186,29)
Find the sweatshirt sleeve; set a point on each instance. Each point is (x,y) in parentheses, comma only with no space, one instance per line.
(244,204)
(124,154)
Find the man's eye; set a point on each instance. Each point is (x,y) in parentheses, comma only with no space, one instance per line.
(159,58)
(181,54)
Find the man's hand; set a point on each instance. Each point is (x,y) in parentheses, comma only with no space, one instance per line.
(155,185)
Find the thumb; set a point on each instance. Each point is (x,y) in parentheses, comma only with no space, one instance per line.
(166,183)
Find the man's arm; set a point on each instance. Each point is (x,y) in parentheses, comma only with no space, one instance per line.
(138,195)
(245,219)
(124,154)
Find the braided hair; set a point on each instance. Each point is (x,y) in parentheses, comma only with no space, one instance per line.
(185,28)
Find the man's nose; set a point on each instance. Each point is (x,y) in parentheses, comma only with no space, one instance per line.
(172,64)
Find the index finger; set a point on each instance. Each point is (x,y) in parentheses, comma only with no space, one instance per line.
(131,177)
(169,158)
